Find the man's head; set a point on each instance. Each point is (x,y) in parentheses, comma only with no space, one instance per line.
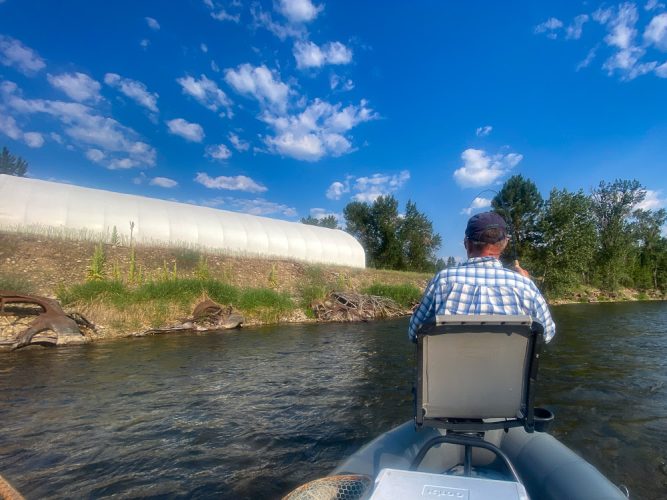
(486,234)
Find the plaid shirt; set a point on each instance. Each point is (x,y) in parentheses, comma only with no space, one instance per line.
(481,285)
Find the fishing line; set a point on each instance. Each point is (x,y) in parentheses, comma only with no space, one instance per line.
(505,207)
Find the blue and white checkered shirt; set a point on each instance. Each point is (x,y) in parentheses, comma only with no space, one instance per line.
(481,285)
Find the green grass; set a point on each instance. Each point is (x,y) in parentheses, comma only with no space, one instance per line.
(15,283)
(405,295)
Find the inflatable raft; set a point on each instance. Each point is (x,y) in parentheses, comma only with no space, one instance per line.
(476,434)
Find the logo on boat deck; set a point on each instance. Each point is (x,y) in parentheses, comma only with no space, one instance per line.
(445,492)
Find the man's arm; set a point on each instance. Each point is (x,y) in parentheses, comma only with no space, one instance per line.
(424,312)
(542,315)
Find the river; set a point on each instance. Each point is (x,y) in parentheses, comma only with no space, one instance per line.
(253,413)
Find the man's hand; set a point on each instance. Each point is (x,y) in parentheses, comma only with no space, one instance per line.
(520,269)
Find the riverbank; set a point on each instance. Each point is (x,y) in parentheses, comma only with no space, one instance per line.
(127,292)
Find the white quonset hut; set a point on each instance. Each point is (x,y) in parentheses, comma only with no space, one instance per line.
(31,203)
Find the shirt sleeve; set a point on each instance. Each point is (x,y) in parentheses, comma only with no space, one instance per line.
(425,311)
(542,314)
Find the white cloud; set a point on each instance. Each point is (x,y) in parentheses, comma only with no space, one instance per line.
(317,131)
(321,213)
(133,89)
(368,189)
(260,83)
(656,32)
(237,183)
(163,182)
(9,127)
(223,15)
(652,201)
(310,55)
(299,11)
(483,131)
(238,143)
(33,139)
(152,23)
(476,204)
(218,152)
(336,81)
(86,126)
(204,48)
(78,86)
(192,132)
(661,70)
(337,190)
(263,19)
(215,67)
(653,4)
(479,169)
(206,92)
(588,59)
(144,43)
(550,27)
(261,207)
(575,29)
(14,53)
(95,155)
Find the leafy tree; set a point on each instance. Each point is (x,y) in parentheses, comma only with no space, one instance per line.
(613,203)
(567,241)
(329,221)
(12,165)
(519,202)
(650,245)
(451,261)
(419,241)
(392,241)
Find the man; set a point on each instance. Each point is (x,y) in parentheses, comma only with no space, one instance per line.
(481,285)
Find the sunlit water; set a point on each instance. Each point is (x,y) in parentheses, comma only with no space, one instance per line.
(253,413)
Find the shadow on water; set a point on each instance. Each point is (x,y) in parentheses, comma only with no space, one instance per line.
(251,414)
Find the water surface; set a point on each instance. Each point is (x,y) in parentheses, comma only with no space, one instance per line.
(253,413)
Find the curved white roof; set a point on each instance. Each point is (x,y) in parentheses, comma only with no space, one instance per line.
(31,202)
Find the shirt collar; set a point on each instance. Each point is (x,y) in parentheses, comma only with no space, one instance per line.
(483,261)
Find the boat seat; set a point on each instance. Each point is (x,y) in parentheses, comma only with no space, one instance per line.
(475,374)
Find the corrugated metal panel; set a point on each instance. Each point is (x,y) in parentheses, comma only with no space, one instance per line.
(31,202)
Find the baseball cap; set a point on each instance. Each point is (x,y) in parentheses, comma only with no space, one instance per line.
(486,227)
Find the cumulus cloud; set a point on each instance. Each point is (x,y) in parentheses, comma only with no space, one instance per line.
(263,19)
(237,183)
(337,189)
(260,83)
(14,53)
(152,23)
(336,82)
(550,27)
(477,204)
(192,132)
(10,128)
(218,152)
(299,11)
(206,92)
(656,32)
(317,131)
(653,4)
(652,201)
(78,86)
(238,143)
(85,126)
(483,131)
(163,182)
(223,15)
(133,89)
(33,139)
(480,169)
(310,55)
(368,189)
(576,28)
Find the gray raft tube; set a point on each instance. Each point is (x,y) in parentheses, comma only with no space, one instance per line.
(548,469)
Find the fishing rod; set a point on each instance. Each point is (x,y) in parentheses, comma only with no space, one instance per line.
(514,239)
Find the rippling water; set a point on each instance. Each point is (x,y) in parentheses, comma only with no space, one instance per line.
(253,413)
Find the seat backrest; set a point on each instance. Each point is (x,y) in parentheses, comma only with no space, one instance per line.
(477,367)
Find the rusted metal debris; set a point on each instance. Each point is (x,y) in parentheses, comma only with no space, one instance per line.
(356,307)
(51,327)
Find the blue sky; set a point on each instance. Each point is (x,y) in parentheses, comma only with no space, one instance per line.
(290,108)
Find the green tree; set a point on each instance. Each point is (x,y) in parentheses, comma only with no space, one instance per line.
(567,241)
(451,261)
(329,221)
(392,241)
(12,165)
(613,204)
(646,227)
(519,202)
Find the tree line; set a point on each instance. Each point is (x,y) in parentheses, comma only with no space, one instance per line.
(572,239)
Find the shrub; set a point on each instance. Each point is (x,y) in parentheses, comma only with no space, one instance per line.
(405,295)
